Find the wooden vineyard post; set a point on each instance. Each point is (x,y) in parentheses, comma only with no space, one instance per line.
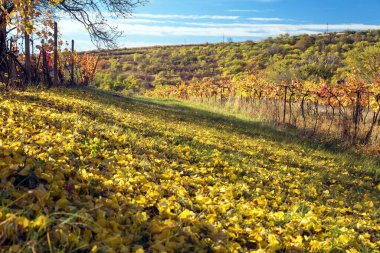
(35,63)
(55,68)
(27,59)
(45,65)
(286,92)
(221,96)
(72,63)
(357,114)
(96,65)
(12,67)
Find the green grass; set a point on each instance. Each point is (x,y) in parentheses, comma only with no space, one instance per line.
(289,135)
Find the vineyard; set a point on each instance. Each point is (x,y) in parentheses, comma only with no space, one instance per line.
(84,170)
(32,52)
(349,109)
(51,66)
(326,85)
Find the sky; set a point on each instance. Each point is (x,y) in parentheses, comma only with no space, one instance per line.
(169,22)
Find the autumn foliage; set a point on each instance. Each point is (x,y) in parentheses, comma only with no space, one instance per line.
(351,104)
(83,170)
(21,66)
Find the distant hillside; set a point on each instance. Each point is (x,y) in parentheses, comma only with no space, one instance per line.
(316,56)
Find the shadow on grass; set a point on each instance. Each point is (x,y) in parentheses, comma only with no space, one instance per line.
(183,112)
(187,112)
(255,129)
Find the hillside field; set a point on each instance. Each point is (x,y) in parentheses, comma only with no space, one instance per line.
(303,58)
(90,171)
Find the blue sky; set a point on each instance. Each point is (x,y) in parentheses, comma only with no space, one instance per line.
(163,22)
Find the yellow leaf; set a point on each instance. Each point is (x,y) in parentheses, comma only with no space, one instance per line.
(186,214)
(23,222)
(139,250)
(343,239)
(273,242)
(140,199)
(41,222)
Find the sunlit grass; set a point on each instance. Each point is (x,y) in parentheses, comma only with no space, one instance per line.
(85,170)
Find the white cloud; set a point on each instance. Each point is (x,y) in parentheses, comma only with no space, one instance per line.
(145,27)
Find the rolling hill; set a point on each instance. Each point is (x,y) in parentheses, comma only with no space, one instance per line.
(314,57)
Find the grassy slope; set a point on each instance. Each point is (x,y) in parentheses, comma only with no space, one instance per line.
(135,68)
(84,169)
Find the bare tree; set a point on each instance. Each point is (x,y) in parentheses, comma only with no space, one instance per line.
(95,16)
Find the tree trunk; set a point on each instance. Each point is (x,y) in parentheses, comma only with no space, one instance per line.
(3,47)
(55,67)
(72,63)
(27,59)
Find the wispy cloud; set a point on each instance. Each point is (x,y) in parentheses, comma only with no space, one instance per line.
(239,30)
(249,10)
(193,27)
(164,16)
(216,29)
(265,19)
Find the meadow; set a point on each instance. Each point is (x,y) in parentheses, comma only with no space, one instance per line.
(84,170)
